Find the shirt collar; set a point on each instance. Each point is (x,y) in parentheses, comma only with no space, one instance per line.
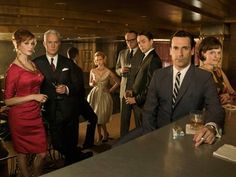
(146,53)
(182,71)
(54,57)
(134,50)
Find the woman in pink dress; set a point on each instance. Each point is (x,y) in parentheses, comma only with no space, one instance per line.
(22,95)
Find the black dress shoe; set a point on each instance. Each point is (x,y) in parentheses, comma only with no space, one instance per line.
(105,140)
(85,155)
(87,146)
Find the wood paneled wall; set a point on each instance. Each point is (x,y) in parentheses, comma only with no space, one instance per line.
(229,65)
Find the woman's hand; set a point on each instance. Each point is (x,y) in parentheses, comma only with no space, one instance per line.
(225,98)
(93,82)
(40,98)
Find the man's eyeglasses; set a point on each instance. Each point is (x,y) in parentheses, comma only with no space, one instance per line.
(130,40)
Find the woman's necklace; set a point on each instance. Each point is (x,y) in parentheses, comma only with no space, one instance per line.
(33,69)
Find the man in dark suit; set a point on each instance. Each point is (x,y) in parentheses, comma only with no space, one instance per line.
(84,108)
(150,62)
(62,87)
(197,91)
(132,56)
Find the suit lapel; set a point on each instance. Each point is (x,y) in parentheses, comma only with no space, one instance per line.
(145,60)
(169,85)
(46,67)
(58,71)
(59,64)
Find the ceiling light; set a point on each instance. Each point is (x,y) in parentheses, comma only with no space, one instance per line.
(60,3)
(108,10)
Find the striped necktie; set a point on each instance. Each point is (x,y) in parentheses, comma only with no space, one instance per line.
(176,89)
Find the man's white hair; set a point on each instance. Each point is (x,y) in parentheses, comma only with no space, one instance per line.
(51,31)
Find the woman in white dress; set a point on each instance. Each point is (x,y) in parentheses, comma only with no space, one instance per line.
(100,96)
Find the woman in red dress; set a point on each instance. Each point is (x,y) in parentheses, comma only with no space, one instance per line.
(22,95)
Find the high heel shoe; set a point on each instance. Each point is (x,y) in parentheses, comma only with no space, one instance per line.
(106,139)
(100,140)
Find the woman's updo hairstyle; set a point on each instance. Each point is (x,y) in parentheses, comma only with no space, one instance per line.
(21,35)
(101,54)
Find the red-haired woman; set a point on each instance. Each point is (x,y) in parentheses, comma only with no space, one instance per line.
(22,87)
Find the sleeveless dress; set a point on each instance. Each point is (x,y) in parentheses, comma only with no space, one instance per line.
(100,100)
(25,120)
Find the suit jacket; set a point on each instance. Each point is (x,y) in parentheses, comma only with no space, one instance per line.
(65,74)
(143,76)
(127,82)
(80,75)
(197,91)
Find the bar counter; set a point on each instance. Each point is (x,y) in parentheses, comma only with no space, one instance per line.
(158,154)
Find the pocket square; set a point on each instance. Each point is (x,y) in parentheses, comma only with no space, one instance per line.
(65,69)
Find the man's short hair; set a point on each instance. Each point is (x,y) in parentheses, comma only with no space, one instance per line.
(131,31)
(51,31)
(183,33)
(148,34)
(72,52)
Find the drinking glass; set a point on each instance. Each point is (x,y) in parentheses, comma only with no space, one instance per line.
(128,93)
(56,84)
(196,119)
(128,67)
(42,107)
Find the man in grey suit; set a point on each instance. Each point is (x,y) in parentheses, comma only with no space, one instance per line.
(131,56)
(197,91)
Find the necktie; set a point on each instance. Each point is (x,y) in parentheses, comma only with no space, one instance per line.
(52,65)
(131,53)
(176,89)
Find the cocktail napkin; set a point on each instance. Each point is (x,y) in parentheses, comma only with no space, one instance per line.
(227,152)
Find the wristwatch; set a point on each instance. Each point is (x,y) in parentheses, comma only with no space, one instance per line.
(212,128)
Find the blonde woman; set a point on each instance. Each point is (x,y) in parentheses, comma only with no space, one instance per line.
(100,96)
